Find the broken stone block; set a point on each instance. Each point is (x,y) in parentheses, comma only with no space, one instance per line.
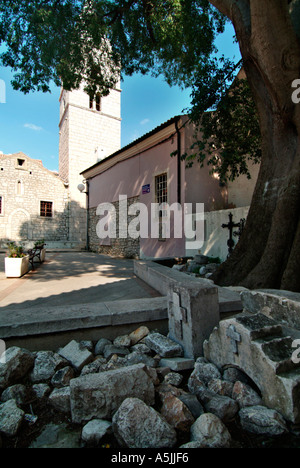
(110,350)
(222,406)
(192,403)
(62,377)
(176,413)
(221,387)
(41,390)
(16,392)
(164,346)
(245,395)
(209,431)
(262,420)
(138,334)
(11,418)
(282,306)
(263,352)
(95,430)
(137,425)
(177,364)
(173,378)
(98,396)
(16,363)
(60,399)
(193,312)
(205,371)
(77,355)
(45,365)
(100,345)
(123,340)
(57,436)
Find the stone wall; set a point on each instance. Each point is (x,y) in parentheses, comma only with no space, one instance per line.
(22,188)
(118,247)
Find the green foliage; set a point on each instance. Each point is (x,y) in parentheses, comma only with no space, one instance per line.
(92,41)
(15,251)
(230,134)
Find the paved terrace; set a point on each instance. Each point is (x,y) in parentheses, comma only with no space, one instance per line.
(75,293)
(82,295)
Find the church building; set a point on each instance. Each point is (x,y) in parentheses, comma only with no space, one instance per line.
(36,203)
(63,208)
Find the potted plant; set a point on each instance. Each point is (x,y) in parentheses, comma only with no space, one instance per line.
(16,261)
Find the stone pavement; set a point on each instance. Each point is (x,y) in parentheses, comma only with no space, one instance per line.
(75,291)
(72,278)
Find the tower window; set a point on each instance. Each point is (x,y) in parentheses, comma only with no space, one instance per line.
(46,209)
(19,188)
(1,205)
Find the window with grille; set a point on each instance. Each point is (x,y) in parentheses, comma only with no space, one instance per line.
(161,189)
(161,198)
(46,209)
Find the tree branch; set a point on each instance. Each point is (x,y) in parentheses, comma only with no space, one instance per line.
(224,6)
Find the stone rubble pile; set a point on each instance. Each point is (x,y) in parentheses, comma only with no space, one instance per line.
(138,389)
(200,265)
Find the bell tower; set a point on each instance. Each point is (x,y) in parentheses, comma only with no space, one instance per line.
(89,130)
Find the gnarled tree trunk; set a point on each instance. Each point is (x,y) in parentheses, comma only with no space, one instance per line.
(268,253)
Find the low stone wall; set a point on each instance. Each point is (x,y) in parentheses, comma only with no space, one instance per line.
(215,237)
(118,247)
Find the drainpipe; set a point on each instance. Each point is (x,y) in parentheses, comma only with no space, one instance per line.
(178,162)
(87,215)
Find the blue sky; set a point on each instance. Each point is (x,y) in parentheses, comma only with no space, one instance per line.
(29,123)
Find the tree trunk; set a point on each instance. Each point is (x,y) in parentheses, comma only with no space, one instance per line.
(268,253)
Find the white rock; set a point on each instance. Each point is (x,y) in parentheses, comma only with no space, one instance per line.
(210,432)
(11,418)
(95,430)
(137,425)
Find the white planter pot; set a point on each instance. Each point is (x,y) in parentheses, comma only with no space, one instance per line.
(16,267)
(43,255)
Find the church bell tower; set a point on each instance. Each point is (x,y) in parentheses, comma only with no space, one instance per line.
(89,130)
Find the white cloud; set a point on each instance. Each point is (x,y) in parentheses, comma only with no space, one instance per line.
(33,127)
(144,122)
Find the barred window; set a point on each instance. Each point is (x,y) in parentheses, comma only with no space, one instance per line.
(46,209)
(161,189)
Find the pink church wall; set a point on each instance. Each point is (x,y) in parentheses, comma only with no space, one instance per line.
(128,178)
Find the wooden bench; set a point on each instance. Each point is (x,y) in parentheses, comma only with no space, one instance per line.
(35,253)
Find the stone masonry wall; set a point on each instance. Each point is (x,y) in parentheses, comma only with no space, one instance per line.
(129,248)
(22,188)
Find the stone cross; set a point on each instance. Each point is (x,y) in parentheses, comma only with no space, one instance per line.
(180,315)
(235,338)
(230,226)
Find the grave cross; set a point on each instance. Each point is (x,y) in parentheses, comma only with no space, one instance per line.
(235,338)
(230,226)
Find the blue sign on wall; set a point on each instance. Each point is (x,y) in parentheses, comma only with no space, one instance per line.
(146,189)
